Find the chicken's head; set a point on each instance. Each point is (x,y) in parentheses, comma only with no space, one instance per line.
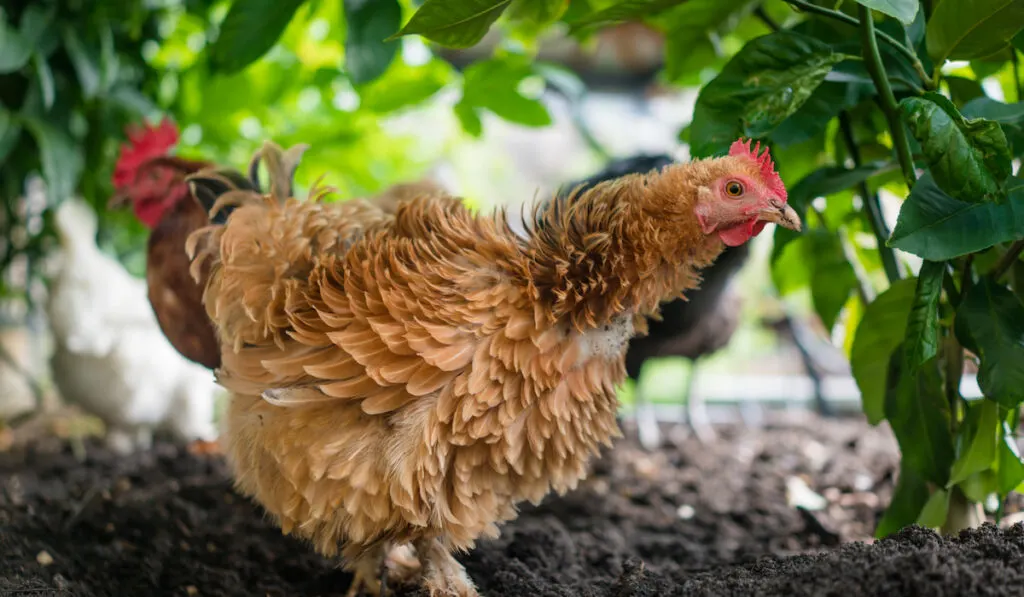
(741,194)
(147,177)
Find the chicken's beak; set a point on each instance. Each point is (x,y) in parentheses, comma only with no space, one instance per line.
(782,214)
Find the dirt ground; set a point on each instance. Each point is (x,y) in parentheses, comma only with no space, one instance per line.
(784,510)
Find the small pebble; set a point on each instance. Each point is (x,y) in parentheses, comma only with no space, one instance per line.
(44,558)
(191,590)
(685,512)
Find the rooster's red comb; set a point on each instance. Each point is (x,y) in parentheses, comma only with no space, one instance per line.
(144,143)
(771,178)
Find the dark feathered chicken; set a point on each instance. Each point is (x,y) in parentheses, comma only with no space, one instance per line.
(698,326)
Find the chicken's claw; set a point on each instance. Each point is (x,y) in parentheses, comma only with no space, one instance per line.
(443,575)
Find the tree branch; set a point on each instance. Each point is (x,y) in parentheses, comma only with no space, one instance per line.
(845,18)
(872,202)
(886,97)
(1007,261)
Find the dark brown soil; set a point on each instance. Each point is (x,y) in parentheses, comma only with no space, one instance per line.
(693,519)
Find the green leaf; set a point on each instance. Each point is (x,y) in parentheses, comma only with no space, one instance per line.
(981,453)
(933,514)
(813,117)
(969,159)
(963,91)
(922,343)
(60,157)
(45,76)
(908,499)
(766,82)
(454,23)
(86,65)
(469,119)
(1009,116)
(971,29)
(1011,467)
(10,132)
(627,10)
(404,86)
(817,259)
(494,85)
(249,30)
(538,12)
(990,323)
(902,10)
(918,413)
(15,50)
(880,331)
(367,55)
(934,226)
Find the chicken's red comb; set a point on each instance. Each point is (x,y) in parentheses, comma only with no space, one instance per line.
(771,178)
(144,143)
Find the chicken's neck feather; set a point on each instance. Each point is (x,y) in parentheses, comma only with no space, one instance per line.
(622,246)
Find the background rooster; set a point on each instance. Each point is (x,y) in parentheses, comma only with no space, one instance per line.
(401,380)
(111,357)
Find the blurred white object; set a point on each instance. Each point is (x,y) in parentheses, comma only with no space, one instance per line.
(110,357)
(16,394)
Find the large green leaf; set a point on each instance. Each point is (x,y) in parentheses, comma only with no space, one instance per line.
(971,29)
(538,12)
(625,10)
(935,226)
(61,158)
(922,342)
(494,85)
(969,159)
(902,10)
(881,330)
(1011,467)
(367,55)
(908,499)
(918,413)
(933,514)
(1009,116)
(766,82)
(816,259)
(980,454)
(813,117)
(15,50)
(250,28)
(454,23)
(990,323)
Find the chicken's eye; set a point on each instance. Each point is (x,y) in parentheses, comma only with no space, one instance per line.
(734,188)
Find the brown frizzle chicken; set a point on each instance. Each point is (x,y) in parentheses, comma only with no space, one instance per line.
(401,381)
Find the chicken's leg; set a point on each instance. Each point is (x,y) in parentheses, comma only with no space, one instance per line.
(373,571)
(696,409)
(443,575)
(646,421)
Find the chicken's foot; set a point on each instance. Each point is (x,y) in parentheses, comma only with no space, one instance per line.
(373,572)
(443,575)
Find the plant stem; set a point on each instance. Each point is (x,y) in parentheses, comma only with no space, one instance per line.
(1004,264)
(845,18)
(872,202)
(1016,72)
(886,97)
